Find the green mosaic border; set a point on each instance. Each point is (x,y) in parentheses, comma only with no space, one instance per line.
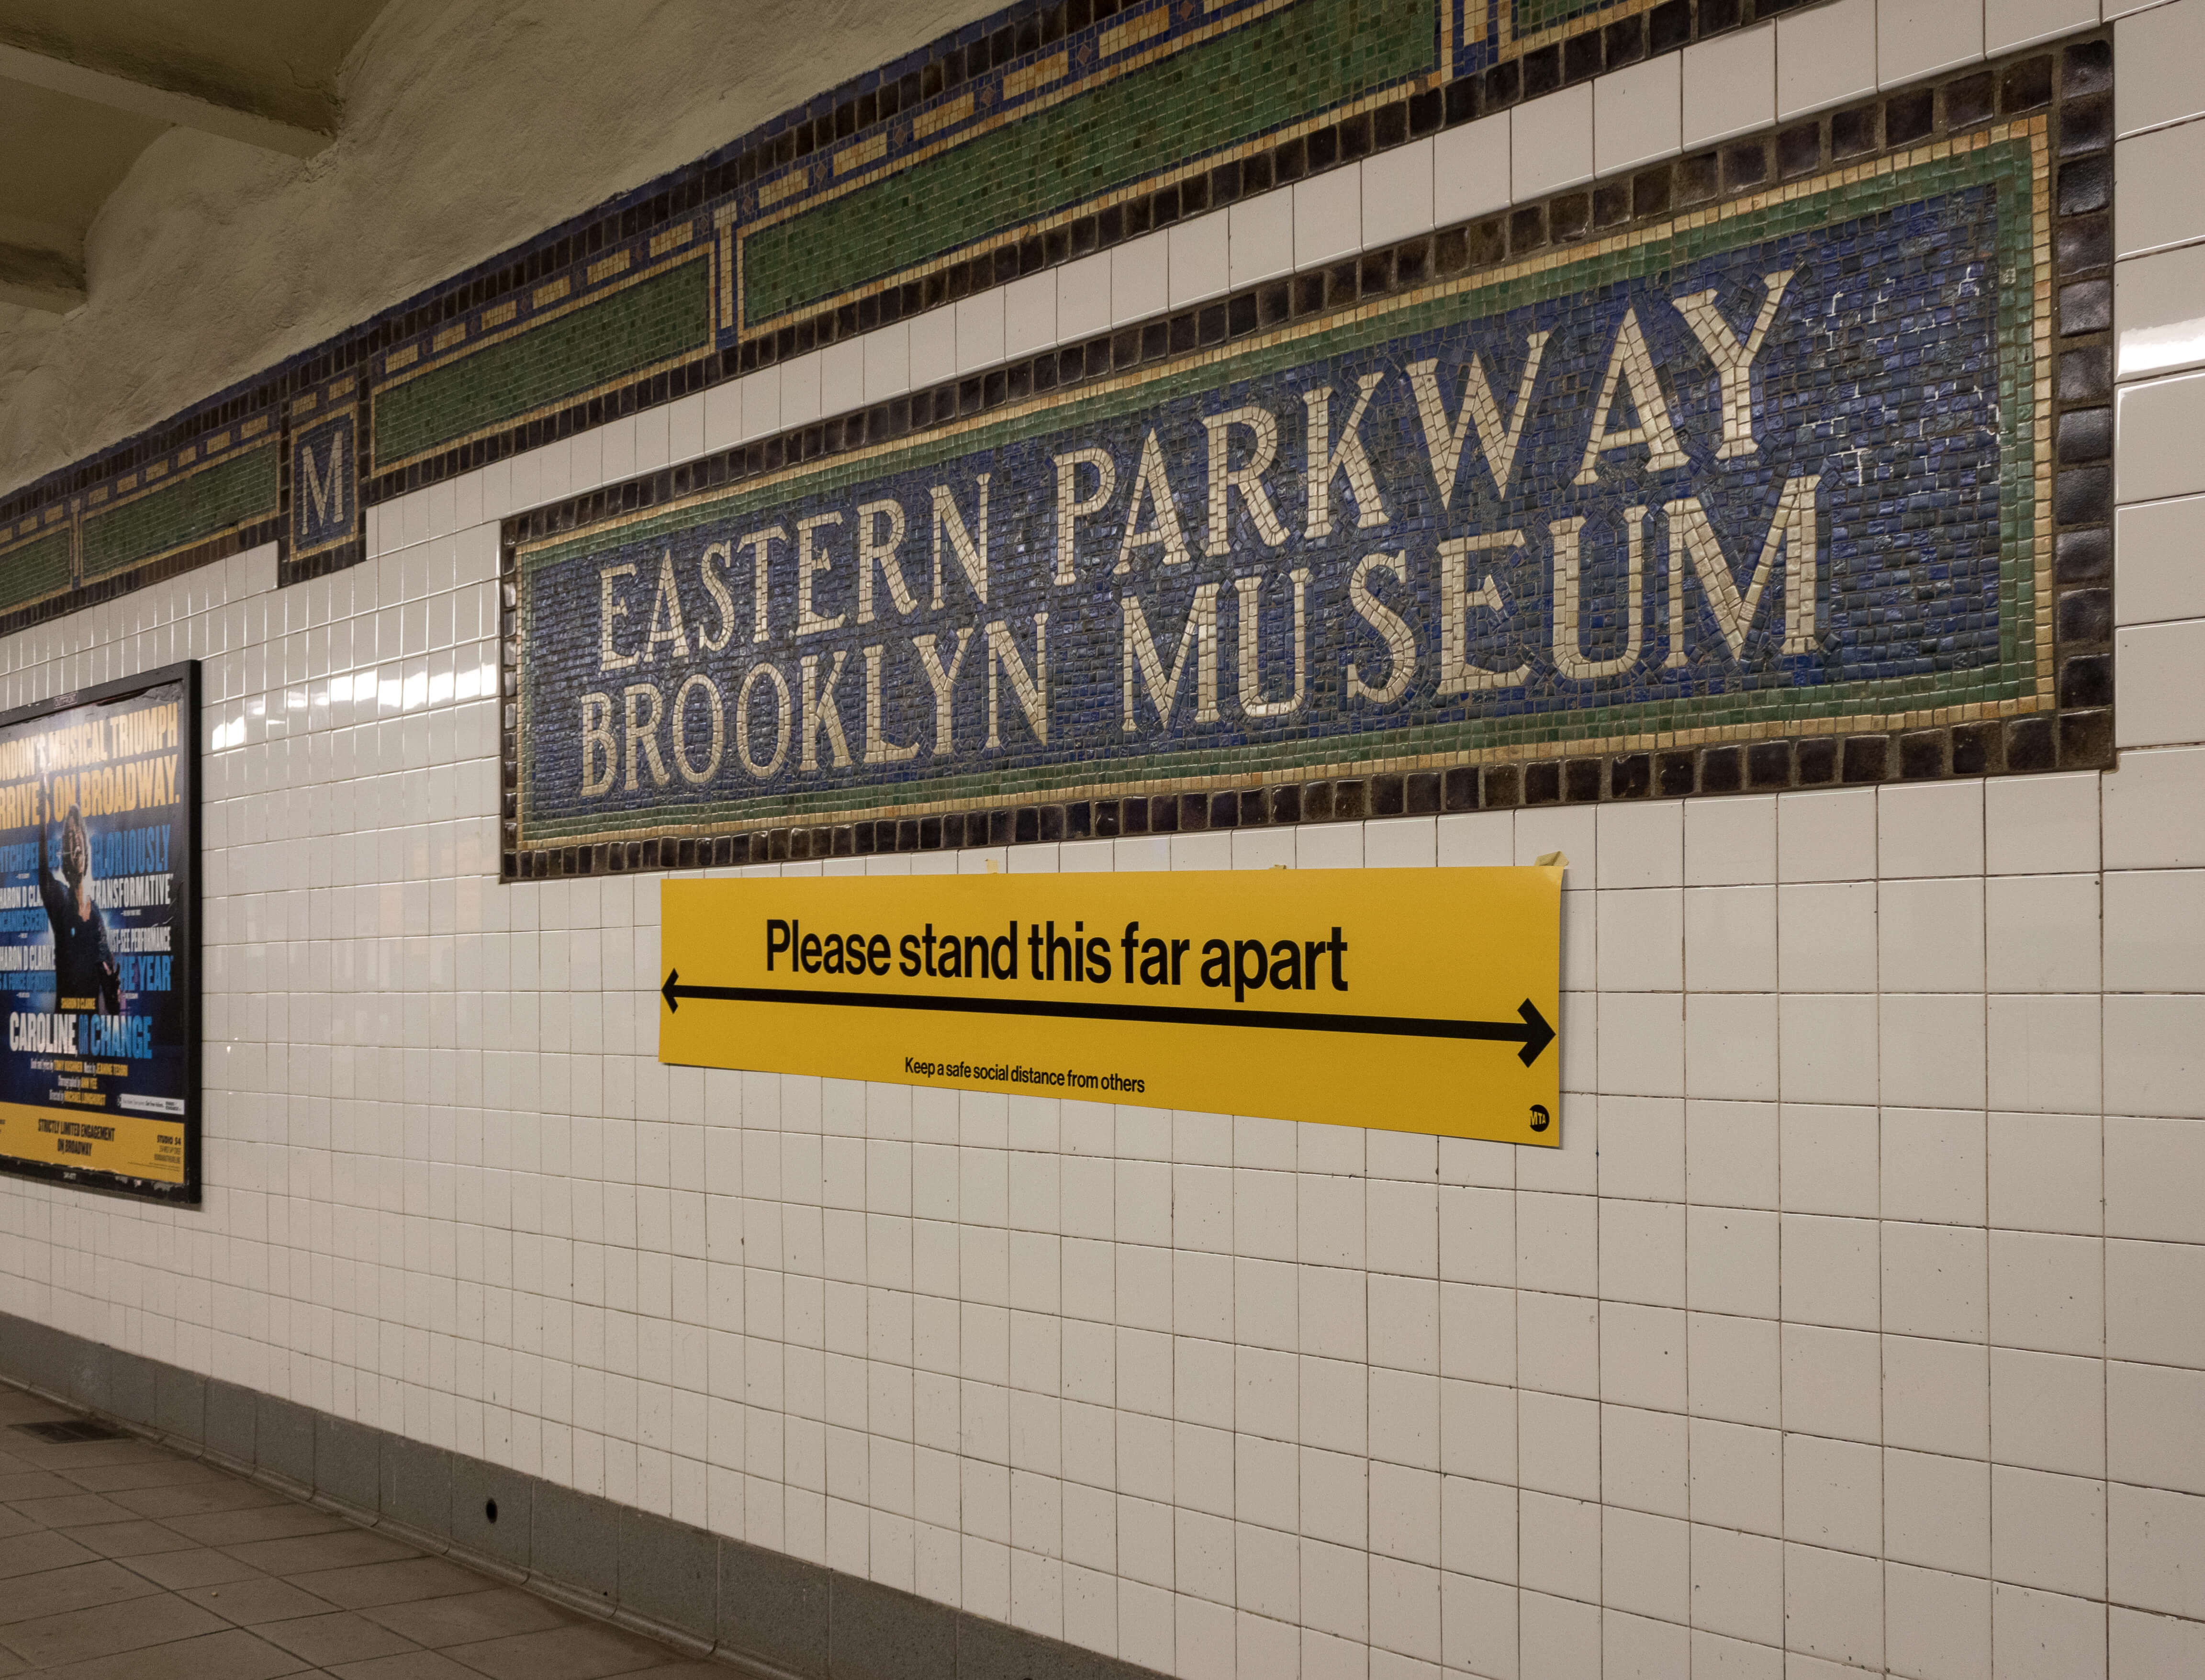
(1252,79)
(615,336)
(190,508)
(2006,164)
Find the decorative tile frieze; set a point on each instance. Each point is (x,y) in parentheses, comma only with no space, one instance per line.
(2048,709)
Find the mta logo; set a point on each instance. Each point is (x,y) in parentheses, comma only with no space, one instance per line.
(323,495)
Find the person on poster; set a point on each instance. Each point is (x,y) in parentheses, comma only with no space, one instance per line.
(85,972)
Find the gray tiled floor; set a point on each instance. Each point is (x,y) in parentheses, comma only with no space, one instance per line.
(119,1560)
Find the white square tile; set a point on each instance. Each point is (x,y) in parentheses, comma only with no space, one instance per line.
(1729,85)
(2041,932)
(2159,325)
(1550,144)
(1397,193)
(2155,47)
(1198,258)
(1827,937)
(1825,55)
(2149,464)
(1730,842)
(2150,1426)
(2158,573)
(1328,216)
(2152,175)
(1637,115)
(1919,37)
(1931,829)
(2155,811)
(1826,836)
(2047,1172)
(761,403)
(2159,706)
(843,376)
(1140,278)
(1826,1047)
(2040,825)
(1260,237)
(2047,1051)
(1730,939)
(1930,935)
(801,394)
(887,361)
(1471,170)
(934,346)
(1936,1622)
(980,330)
(2155,1055)
(2048,1411)
(1030,314)
(1932,1049)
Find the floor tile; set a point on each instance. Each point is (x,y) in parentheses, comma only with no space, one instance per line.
(347,1549)
(284,1521)
(50,1641)
(470,1617)
(587,1652)
(151,1472)
(201,1567)
(392,1583)
(77,1588)
(189,1500)
(231,1654)
(338,1637)
(72,1508)
(137,1538)
(249,1603)
(408,1665)
(35,1484)
(28,1554)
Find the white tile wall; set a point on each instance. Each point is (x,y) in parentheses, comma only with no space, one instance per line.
(1854,1327)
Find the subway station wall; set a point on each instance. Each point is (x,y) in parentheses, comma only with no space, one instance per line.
(1853,1328)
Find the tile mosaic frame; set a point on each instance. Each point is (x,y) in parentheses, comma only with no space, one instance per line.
(2070,86)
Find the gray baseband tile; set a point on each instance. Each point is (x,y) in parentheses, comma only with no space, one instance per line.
(283,1440)
(417,1487)
(133,1388)
(347,1463)
(876,1633)
(231,1413)
(669,1574)
(766,1613)
(476,1487)
(574,1540)
(180,1402)
(773,1607)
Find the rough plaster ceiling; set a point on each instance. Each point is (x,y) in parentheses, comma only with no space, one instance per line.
(85,85)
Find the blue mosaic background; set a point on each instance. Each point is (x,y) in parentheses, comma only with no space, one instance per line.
(1879,373)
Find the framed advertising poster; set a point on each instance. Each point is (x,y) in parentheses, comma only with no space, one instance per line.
(99,936)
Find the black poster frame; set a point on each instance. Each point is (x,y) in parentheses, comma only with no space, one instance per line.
(185,940)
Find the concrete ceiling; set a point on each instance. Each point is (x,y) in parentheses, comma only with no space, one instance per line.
(88,84)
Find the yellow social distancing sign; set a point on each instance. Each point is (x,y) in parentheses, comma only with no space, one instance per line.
(1406,999)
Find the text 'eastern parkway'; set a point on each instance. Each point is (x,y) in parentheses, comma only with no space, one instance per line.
(1252,564)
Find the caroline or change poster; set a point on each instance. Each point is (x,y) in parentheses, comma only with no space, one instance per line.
(99,936)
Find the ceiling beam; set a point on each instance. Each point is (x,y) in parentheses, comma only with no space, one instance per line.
(185,111)
(32,277)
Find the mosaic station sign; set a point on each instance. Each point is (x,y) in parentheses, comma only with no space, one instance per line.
(1773,470)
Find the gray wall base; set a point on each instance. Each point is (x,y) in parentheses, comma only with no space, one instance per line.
(764,1613)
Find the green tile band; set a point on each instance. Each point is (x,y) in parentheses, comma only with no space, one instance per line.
(36,569)
(190,509)
(1298,62)
(620,336)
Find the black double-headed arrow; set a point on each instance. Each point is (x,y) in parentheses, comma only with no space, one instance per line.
(1532,1033)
